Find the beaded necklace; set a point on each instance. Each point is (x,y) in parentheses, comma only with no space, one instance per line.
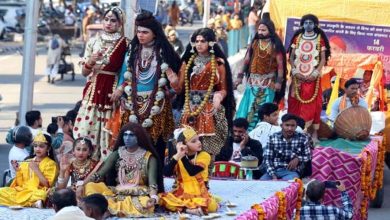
(296,89)
(187,107)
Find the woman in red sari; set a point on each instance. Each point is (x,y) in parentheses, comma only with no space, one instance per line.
(104,56)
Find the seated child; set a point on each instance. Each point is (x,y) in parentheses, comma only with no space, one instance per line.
(190,166)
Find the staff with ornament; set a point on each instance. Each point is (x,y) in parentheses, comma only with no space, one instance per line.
(145,97)
(103,59)
(309,51)
(206,88)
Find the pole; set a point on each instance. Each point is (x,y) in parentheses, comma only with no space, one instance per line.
(129,7)
(206,12)
(28,70)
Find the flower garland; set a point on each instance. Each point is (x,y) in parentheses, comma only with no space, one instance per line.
(378,175)
(260,211)
(365,181)
(296,89)
(187,107)
(156,97)
(299,199)
(282,211)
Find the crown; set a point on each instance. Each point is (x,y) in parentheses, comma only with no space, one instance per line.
(189,132)
(40,138)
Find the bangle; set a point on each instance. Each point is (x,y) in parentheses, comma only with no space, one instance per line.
(155,197)
(60,180)
(87,66)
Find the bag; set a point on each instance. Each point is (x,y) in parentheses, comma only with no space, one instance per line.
(55,44)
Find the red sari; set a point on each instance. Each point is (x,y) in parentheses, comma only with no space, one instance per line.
(96,107)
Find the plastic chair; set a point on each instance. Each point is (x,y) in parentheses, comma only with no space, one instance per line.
(225,169)
(6,177)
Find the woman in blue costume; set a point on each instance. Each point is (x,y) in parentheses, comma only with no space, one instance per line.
(145,92)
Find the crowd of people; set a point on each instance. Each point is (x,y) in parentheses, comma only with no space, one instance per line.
(141,94)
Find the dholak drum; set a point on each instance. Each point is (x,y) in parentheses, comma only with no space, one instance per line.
(353,123)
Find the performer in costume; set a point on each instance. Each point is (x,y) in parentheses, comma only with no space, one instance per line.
(309,51)
(190,167)
(33,178)
(133,170)
(205,84)
(146,99)
(80,168)
(265,68)
(104,56)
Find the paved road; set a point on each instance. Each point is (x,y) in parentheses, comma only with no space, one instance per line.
(54,100)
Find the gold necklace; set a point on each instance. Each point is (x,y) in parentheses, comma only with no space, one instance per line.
(81,167)
(187,107)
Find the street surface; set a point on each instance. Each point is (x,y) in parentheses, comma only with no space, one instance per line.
(55,100)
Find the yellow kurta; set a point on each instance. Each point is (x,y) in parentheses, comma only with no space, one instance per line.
(25,189)
(191,191)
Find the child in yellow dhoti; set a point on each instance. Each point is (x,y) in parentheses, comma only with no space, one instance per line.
(190,166)
(33,177)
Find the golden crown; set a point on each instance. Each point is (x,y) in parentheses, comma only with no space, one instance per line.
(189,132)
(40,138)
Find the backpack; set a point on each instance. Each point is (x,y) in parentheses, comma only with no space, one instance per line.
(55,44)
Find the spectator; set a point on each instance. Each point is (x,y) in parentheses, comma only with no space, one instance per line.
(222,37)
(87,20)
(65,205)
(328,92)
(252,20)
(268,125)
(175,42)
(70,18)
(240,144)
(287,151)
(313,209)
(95,206)
(22,138)
(162,13)
(174,14)
(55,46)
(236,22)
(211,23)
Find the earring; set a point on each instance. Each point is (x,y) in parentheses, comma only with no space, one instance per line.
(192,47)
(211,44)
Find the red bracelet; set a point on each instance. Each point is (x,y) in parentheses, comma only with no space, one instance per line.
(88,67)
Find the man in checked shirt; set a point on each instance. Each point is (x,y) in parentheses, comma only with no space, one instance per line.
(313,209)
(287,151)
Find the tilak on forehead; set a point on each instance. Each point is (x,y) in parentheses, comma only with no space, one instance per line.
(143,29)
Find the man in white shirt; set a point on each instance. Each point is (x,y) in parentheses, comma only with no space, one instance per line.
(65,205)
(349,99)
(268,125)
(22,137)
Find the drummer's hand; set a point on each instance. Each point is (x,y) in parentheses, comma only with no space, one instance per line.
(293,164)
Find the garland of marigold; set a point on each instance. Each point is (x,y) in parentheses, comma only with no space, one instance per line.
(378,175)
(260,211)
(198,110)
(296,89)
(365,182)
(299,199)
(282,209)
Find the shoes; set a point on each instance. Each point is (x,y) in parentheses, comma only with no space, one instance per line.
(52,81)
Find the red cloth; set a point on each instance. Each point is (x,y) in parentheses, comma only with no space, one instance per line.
(310,111)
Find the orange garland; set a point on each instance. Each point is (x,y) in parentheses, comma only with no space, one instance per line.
(260,211)
(282,211)
(369,190)
(299,199)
